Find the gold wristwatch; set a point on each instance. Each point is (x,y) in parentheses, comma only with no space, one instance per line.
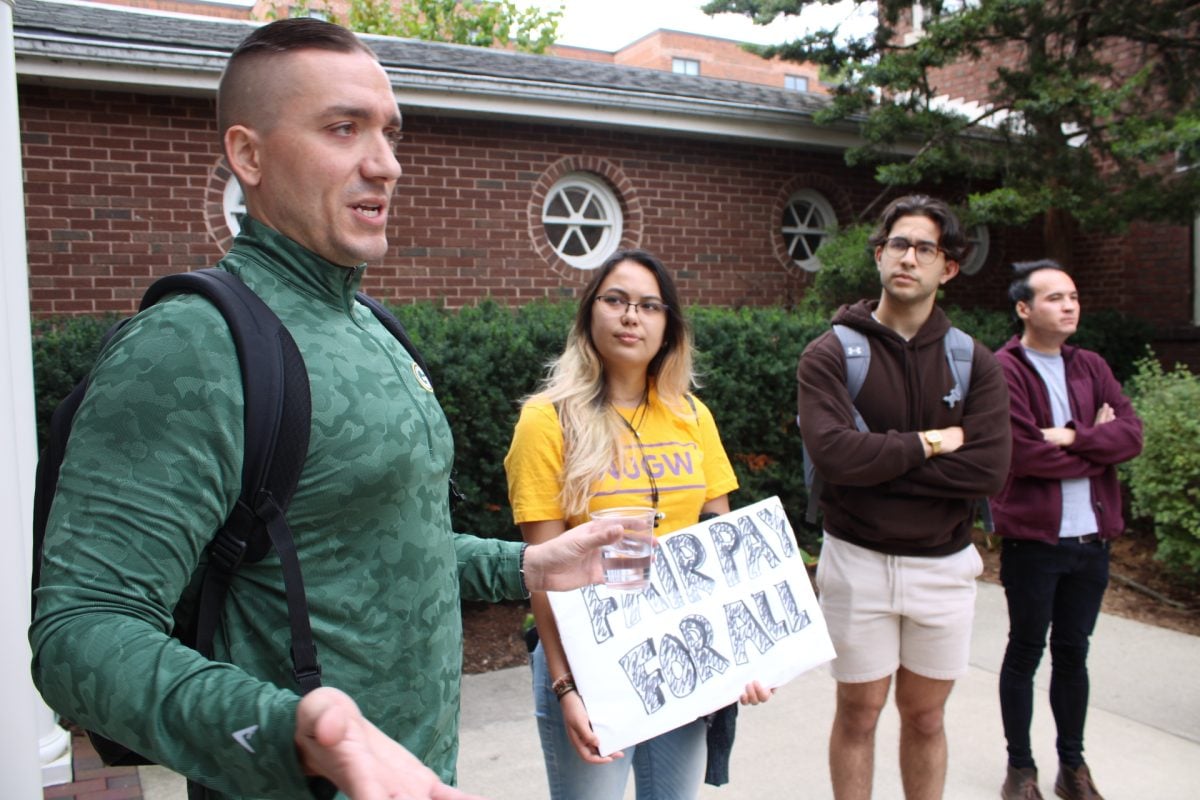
(934,440)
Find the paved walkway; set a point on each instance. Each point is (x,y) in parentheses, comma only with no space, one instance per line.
(1143,733)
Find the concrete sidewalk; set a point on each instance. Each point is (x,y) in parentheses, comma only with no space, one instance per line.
(1143,730)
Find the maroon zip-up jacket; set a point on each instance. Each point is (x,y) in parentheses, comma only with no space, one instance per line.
(880,492)
(1030,504)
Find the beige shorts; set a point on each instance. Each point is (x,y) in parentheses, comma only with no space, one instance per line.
(884,612)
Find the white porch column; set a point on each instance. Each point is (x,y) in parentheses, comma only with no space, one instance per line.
(30,739)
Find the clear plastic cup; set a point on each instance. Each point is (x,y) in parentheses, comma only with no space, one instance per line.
(627,562)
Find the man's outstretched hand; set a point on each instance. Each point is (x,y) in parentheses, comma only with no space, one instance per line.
(571,559)
(335,741)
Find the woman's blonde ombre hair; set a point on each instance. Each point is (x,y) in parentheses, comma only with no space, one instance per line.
(593,432)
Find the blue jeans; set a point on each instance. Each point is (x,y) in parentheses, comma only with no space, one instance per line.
(1056,587)
(668,767)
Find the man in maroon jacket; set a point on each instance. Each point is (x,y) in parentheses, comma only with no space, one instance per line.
(897,570)
(1058,511)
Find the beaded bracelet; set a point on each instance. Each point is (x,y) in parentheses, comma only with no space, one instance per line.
(563,686)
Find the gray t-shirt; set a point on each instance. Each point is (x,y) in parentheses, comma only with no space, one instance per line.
(1078,516)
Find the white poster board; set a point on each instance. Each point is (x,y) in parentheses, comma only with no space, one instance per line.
(729,602)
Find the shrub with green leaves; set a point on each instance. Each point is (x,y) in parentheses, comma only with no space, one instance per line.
(1164,480)
(848,272)
(64,349)
(484,359)
(991,327)
(1122,340)
(747,370)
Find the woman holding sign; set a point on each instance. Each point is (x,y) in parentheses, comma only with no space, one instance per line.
(614,425)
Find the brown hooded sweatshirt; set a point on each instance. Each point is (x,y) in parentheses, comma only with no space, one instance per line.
(880,492)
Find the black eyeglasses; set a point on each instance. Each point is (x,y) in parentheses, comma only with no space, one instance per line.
(616,305)
(926,252)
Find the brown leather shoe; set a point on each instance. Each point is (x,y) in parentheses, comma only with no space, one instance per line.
(1075,783)
(1021,784)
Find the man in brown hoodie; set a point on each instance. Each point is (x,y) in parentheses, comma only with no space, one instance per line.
(897,570)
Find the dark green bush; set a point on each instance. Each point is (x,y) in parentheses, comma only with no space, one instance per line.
(993,328)
(1164,481)
(484,359)
(63,351)
(1121,339)
(747,364)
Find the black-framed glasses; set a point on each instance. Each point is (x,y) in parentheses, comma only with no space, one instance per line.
(925,252)
(615,305)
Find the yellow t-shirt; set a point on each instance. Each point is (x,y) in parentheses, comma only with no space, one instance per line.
(681,449)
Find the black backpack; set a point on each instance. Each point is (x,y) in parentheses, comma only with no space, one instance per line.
(278,409)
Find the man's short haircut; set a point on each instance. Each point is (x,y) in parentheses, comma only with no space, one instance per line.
(277,38)
(1019,291)
(953,240)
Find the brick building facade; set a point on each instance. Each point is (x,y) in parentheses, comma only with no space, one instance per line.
(125,182)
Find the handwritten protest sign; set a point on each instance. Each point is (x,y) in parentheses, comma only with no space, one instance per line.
(729,602)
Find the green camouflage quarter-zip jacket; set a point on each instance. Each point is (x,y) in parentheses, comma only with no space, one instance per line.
(152,469)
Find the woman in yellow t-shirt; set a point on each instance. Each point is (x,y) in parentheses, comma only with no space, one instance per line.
(614,425)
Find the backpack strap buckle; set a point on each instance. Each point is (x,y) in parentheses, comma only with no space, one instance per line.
(228,549)
(307,675)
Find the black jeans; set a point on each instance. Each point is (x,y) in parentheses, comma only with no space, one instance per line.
(1056,587)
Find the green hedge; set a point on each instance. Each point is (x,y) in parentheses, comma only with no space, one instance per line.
(484,359)
(63,351)
(1164,481)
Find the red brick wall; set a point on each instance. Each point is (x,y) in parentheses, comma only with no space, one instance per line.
(114,185)
(121,188)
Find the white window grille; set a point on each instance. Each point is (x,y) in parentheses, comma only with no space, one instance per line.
(808,219)
(582,219)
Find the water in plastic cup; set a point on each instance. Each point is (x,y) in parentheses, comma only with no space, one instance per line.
(627,562)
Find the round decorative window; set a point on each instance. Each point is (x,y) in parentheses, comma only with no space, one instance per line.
(980,241)
(582,220)
(808,219)
(234,205)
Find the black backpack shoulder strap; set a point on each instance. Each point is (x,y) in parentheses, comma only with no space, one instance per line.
(278,409)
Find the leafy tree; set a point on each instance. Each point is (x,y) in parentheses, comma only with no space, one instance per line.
(1088,104)
(483,23)
(848,272)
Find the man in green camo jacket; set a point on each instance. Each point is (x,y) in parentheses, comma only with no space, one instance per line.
(309,124)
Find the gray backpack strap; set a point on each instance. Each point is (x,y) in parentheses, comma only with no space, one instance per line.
(856,349)
(960,353)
